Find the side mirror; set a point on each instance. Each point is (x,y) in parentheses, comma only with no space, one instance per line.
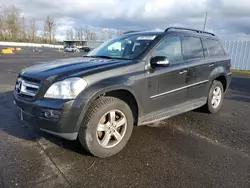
(159,61)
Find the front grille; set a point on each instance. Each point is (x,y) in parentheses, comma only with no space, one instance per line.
(27,88)
(32,80)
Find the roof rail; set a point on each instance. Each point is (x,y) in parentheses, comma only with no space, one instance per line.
(127,32)
(188,29)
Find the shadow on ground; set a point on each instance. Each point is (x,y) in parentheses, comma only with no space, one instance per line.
(12,125)
(238,90)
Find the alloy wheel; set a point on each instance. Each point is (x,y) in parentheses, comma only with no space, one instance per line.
(111,128)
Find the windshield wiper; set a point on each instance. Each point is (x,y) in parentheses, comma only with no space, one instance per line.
(106,57)
(99,56)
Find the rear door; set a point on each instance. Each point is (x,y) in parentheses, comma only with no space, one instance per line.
(216,53)
(195,54)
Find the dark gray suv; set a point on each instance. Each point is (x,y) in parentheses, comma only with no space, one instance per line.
(134,79)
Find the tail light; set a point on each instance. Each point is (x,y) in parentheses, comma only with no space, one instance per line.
(230,66)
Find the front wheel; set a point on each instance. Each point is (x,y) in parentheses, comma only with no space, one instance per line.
(215,97)
(107,127)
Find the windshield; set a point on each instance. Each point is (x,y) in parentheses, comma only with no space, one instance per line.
(123,47)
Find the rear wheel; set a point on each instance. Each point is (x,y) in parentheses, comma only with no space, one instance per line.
(215,97)
(107,127)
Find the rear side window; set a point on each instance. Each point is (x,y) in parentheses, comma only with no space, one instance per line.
(214,47)
(192,48)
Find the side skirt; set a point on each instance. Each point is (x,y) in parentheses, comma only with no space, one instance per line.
(68,136)
(172,111)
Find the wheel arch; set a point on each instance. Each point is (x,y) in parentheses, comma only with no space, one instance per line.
(219,74)
(223,80)
(124,93)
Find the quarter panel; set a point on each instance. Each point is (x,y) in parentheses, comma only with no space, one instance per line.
(220,70)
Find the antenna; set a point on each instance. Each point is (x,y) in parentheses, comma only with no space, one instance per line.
(205,22)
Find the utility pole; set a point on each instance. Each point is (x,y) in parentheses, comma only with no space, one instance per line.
(205,22)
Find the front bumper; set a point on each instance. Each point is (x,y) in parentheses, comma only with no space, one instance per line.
(63,123)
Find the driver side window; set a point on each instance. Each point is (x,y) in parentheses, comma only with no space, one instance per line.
(170,47)
(115,49)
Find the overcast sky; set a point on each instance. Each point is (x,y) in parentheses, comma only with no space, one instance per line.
(225,17)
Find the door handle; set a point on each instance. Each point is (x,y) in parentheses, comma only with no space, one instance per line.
(183,72)
(211,65)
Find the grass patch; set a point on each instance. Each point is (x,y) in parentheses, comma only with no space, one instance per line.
(242,71)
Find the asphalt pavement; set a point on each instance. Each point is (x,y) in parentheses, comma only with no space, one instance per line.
(193,150)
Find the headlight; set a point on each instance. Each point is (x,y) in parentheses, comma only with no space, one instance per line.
(66,89)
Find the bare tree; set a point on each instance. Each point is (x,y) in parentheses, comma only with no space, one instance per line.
(12,22)
(69,34)
(86,34)
(54,34)
(119,32)
(32,31)
(89,35)
(14,27)
(92,35)
(1,25)
(77,33)
(67,37)
(4,32)
(81,35)
(106,33)
(23,30)
(110,35)
(49,29)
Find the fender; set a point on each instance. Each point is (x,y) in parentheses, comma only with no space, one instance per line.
(216,72)
(87,97)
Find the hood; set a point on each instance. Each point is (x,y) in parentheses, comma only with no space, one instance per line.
(69,67)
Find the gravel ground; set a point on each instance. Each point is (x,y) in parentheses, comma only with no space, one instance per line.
(190,150)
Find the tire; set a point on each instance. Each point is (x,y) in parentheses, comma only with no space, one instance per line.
(102,108)
(210,106)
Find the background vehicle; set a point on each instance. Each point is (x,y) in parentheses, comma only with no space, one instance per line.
(85,49)
(134,79)
(71,49)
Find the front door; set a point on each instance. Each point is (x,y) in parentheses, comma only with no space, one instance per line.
(166,85)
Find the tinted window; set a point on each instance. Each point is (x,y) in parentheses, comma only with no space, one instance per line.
(192,48)
(215,48)
(171,48)
(124,46)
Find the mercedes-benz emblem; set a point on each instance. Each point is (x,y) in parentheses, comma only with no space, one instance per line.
(19,86)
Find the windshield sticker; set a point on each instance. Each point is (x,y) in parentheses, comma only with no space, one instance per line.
(146,38)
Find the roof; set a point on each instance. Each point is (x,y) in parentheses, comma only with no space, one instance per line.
(74,41)
(83,41)
(189,30)
(143,32)
(178,30)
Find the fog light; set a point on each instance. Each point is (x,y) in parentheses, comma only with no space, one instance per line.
(51,114)
(47,114)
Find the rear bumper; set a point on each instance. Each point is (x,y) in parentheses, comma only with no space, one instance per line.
(229,79)
(62,122)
